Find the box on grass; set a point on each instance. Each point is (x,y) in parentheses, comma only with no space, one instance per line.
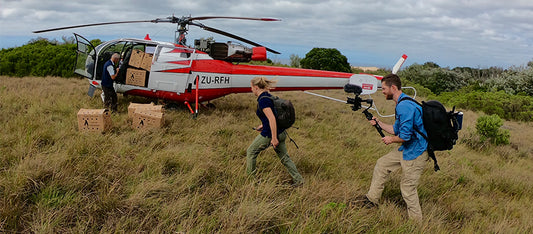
(151,107)
(146,119)
(94,120)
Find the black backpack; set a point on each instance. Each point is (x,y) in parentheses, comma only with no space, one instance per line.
(284,112)
(441,127)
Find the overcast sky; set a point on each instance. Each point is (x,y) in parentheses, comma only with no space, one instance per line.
(473,33)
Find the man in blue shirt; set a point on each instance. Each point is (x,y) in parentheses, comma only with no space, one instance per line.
(411,157)
(108,76)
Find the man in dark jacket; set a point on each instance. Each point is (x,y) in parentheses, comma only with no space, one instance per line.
(108,76)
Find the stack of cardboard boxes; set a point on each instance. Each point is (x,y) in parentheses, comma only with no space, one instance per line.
(140,63)
(143,116)
(146,116)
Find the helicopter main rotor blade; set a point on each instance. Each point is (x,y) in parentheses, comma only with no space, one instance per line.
(229,17)
(182,22)
(96,24)
(233,36)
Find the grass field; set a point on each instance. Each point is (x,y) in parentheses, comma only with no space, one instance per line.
(189,176)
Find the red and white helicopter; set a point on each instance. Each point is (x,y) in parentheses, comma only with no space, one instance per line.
(183,74)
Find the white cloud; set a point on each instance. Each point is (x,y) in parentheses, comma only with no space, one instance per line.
(450,33)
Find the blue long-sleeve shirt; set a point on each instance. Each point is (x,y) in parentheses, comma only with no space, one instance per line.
(409,117)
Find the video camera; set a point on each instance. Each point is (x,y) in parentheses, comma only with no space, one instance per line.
(357,103)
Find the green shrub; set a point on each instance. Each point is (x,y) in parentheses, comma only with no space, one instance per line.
(433,77)
(40,57)
(506,106)
(488,127)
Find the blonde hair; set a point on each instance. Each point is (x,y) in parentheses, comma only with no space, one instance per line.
(263,83)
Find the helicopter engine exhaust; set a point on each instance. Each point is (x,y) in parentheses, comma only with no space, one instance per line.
(259,54)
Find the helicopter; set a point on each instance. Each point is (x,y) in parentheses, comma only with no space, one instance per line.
(180,73)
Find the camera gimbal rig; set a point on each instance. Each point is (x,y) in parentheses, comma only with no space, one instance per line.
(356,103)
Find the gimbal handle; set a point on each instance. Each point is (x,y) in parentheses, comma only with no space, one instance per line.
(369,117)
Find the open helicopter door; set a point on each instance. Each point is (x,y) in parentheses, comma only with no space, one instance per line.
(85,55)
(85,60)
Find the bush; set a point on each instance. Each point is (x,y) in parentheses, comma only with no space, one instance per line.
(421,91)
(515,80)
(488,127)
(433,77)
(506,106)
(39,57)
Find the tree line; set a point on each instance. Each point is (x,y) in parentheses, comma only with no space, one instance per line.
(38,57)
(507,93)
(41,57)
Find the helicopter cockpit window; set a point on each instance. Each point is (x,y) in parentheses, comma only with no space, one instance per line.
(166,54)
(150,49)
(105,54)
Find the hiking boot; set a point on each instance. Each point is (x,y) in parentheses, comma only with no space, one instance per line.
(363,201)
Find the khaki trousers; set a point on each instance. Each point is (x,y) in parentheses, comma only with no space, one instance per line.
(411,171)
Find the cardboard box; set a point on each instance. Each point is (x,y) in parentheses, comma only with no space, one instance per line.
(150,107)
(147,62)
(94,120)
(136,58)
(133,106)
(145,119)
(135,77)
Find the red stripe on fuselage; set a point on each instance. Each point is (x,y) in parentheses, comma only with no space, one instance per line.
(184,49)
(178,70)
(217,66)
(184,62)
(212,66)
(286,71)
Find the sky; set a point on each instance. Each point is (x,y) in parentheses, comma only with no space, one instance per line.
(450,33)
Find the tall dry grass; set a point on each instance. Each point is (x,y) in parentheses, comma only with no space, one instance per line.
(189,176)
